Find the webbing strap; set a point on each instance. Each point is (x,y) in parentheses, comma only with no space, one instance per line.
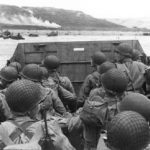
(127,72)
(21,129)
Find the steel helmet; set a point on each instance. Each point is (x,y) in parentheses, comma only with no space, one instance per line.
(136,102)
(128,130)
(32,72)
(114,80)
(16,65)
(104,67)
(51,62)
(22,95)
(136,54)
(125,49)
(147,76)
(98,58)
(9,74)
(44,72)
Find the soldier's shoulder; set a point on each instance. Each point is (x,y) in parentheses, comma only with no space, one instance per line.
(142,67)
(65,80)
(95,73)
(98,91)
(139,63)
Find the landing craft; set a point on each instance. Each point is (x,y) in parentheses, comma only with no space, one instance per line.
(53,33)
(33,35)
(17,37)
(146,33)
(75,61)
(74,55)
(6,34)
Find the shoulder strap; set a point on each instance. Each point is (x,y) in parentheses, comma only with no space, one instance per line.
(129,76)
(107,112)
(96,76)
(21,129)
(127,72)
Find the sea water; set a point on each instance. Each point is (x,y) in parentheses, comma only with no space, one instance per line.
(8,46)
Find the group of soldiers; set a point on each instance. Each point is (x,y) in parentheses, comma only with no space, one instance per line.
(39,109)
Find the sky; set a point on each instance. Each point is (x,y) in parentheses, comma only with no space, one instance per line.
(96,8)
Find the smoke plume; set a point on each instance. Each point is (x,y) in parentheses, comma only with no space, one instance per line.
(26,20)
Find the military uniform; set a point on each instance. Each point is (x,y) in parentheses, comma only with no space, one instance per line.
(52,101)
(4,108)
(63,88)
(8,75)
(23,97)
(134,70)
(106,100)
(31,127)
(61,85)
(135,73)
(91,82)
(48,97)
(98,92)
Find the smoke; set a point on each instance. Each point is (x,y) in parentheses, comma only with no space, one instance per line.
(26,20)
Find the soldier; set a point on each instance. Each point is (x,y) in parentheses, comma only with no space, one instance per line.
(92,81)
(128,130)
(136,55)
(136,102)
(98,110)
(60,84)
(23,97)
(7,75)
(34,73)
(103,68)
(134,70)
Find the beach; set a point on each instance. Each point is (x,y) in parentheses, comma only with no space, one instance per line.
(8,46)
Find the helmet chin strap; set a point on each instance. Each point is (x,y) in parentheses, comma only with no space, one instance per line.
(92,63)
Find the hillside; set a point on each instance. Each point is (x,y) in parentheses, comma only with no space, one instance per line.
(47,17)
(133,22)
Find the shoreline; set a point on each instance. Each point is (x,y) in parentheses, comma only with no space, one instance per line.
(77,32)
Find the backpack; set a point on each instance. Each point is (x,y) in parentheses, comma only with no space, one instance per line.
(97,112)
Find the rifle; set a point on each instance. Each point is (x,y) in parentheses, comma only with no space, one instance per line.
(46,142)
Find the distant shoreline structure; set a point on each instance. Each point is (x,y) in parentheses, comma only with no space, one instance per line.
(76,32)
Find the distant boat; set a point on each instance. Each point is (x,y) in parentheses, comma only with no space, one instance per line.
(7,33)
(53,33)
(146,33)
(17,37)
(6,36)
(33,35)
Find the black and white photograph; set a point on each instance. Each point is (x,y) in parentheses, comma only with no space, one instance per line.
(74,75)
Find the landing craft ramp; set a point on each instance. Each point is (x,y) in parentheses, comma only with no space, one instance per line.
(74,55)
